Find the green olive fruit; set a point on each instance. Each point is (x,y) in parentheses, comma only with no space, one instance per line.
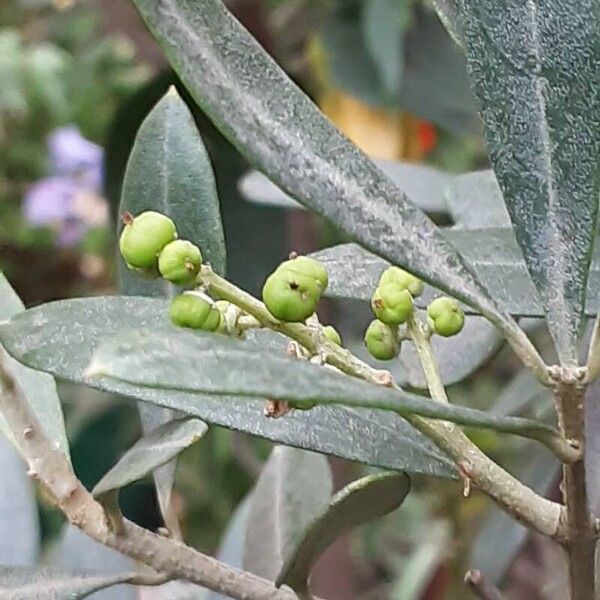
(392,304)
(190,310)
(332,334)
(402,278)
(144,236)
(146,272)
(213,320)
(382,340)
(305,265)
(179,262)
(445,316)
(291,296)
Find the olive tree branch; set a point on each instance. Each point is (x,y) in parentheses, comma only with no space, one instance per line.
(169,558)
(515,498)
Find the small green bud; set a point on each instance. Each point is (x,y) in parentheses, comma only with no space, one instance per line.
(382,340)
(332,334)
(290,295)
(403,279)
(310,267)
(445,316)
(193,311)
(144,236)
(392,304)
(179,262)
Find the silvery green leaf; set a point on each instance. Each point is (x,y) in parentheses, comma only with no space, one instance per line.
(153,450)
(537,61)
(39,388)
(357,503)
(292,490)
(62,336)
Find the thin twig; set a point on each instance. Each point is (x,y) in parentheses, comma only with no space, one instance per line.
(169,558)
(481,587)
(515,498)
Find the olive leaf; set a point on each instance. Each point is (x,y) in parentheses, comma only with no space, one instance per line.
(60,337)
(38,388)
(37,583)
(361,501)
(18,511)
(153,450)
(449,12)
(538,62)
(278,128)
(292,490)
(167,168)
(492,253)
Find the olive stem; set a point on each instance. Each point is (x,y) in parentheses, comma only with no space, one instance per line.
(510,494)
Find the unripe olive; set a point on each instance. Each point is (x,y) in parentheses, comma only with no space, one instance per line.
(179,262)
(144,237)
(332,334)
(403,279)
(382,340)
(445,316)
(305,265)
(392,304)
(190,310)
(291,296)
(213,320)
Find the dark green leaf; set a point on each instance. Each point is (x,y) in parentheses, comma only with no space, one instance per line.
(28,583)
(39,388)
(60,338)
(75,551)
(153,450)
(280,130)
(458,356)
(424,185)
(167,359)
(169,171)
(293,489)
(384,23)
(18,511)
(361,501)
(537,62)
(492,253)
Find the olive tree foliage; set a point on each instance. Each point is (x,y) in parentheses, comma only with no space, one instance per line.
(521,252)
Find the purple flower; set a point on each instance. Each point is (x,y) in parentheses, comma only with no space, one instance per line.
(71,154)
(69,201)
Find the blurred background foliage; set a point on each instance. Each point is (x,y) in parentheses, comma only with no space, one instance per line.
(78,77)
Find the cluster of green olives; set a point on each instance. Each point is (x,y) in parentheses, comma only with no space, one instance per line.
(392,304)
(292,292)
(149,245)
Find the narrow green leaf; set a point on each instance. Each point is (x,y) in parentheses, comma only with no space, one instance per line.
(36,583)
(153,450)
(39,388)
(292,490)
(174,360)
(458,356)
(424,185)
(18,511)
(537,61)
(60,338)
(281,131)
(361,501)
(492,253)
(169,171)
(449,12)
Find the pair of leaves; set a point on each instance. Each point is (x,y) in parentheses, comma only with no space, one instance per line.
(169,171)
(292,518)
(61,337)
